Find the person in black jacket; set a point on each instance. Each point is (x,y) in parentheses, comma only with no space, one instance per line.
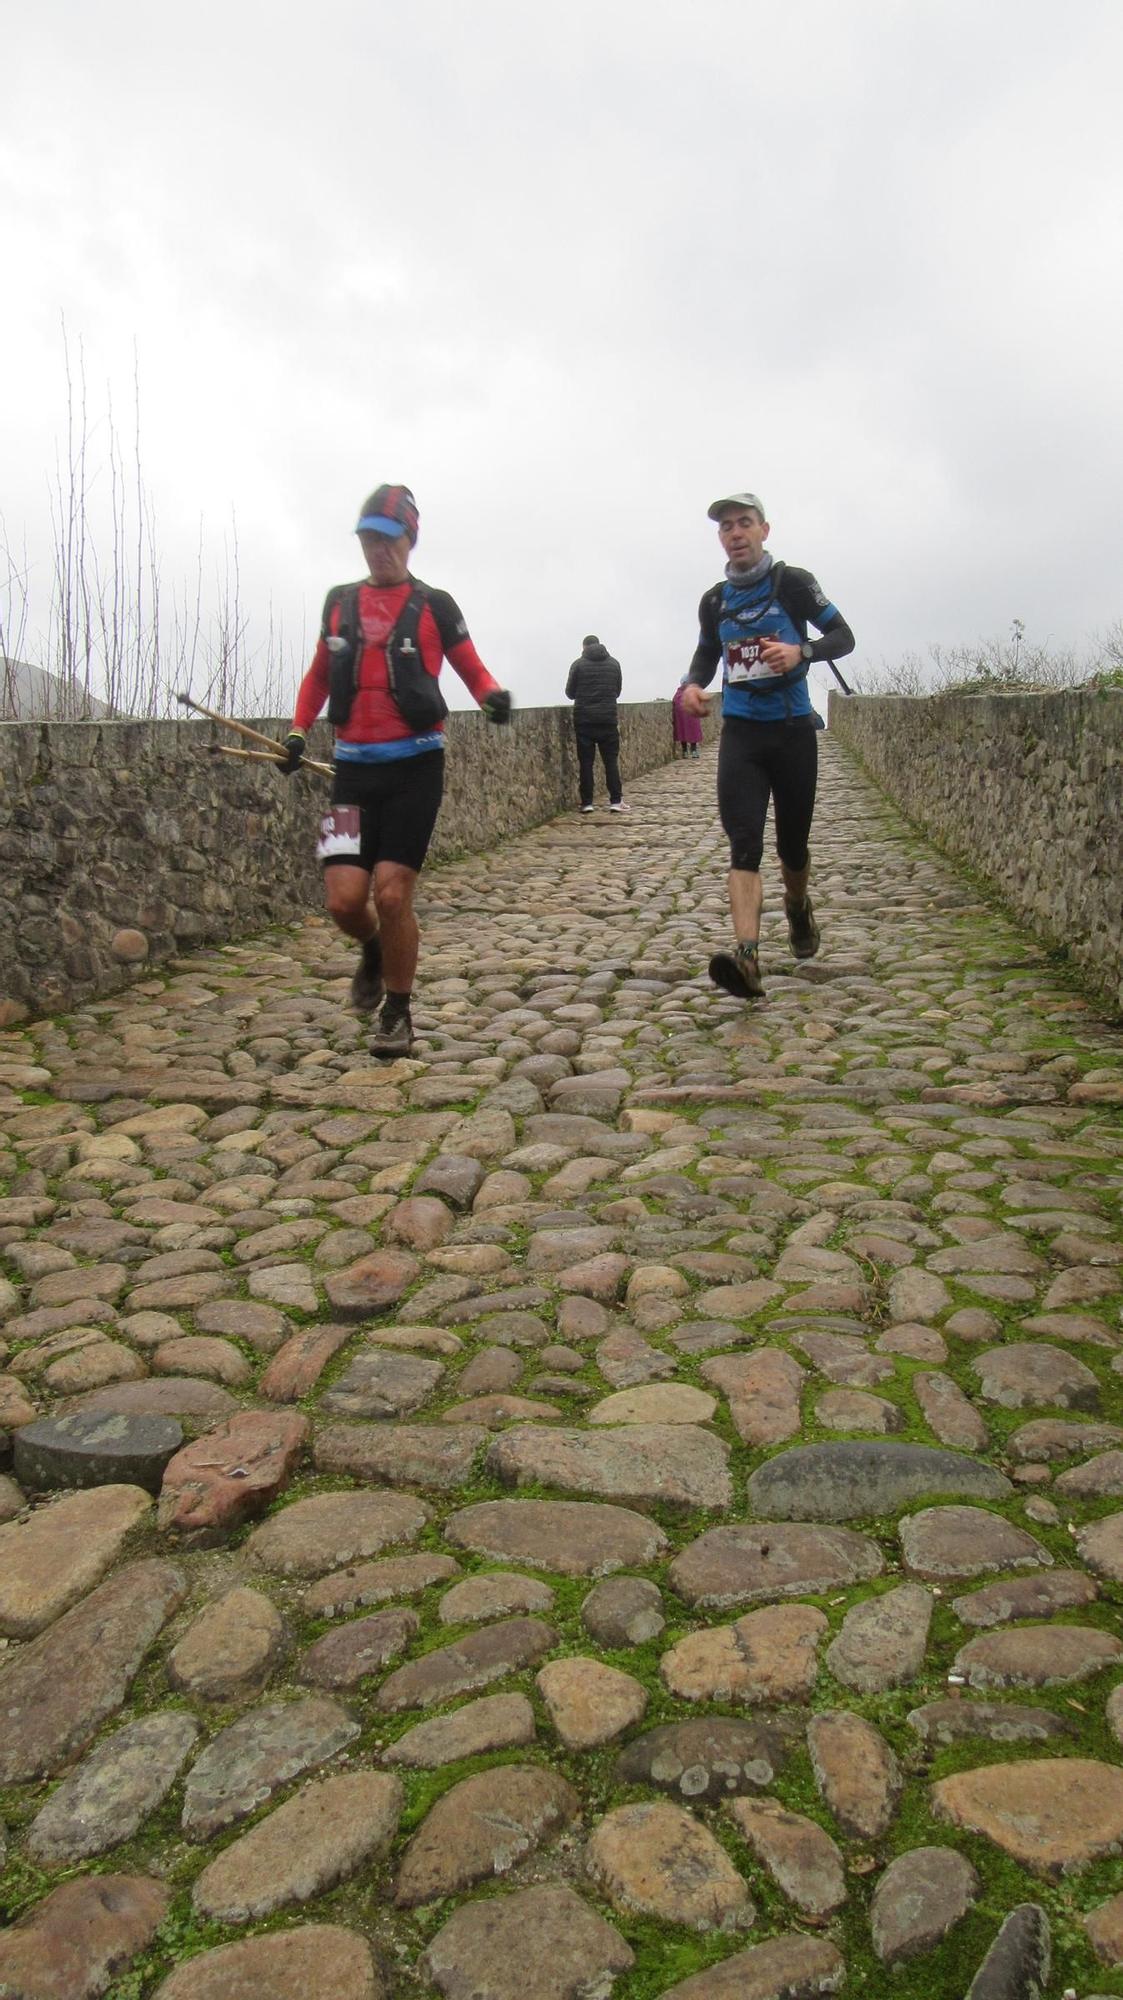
(593,687)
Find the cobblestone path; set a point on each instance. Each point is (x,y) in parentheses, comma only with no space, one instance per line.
(626,1503)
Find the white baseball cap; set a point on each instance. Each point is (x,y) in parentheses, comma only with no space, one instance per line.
(737,500)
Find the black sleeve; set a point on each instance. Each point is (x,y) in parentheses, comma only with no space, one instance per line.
(707,653)
(807,601)
(571,684)
(615,674)
(448,617)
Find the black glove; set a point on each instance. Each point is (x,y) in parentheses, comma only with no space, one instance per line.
(294,747)
(497,705)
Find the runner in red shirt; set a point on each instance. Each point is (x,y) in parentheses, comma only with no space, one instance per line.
(377,665)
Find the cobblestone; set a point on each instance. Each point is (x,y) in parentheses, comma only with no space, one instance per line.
(679,1441)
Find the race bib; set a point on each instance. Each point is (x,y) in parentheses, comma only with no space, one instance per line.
(340,834)
(743,661)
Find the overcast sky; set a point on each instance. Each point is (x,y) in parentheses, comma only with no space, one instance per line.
(572,272)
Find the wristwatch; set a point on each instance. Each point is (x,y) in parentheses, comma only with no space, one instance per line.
(806,650)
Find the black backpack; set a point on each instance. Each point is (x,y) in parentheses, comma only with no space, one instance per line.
(416,692)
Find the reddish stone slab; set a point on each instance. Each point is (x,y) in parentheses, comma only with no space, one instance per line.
(371,1284)
(298,1365)
(213,1485)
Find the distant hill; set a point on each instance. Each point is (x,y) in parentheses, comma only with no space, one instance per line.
(30,694)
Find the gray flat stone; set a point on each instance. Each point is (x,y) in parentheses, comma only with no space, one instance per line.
(244,1765)
(433,1456)
(313,1962)
(51,1559)
(229,1650)
(1018,1964)
(495,1594)
(948,1542)
(882,1641)
(737,1565)
(1026,1597)
(481,1952)
(472,1663)
(113,1791)
(918,1900)
(656,1860)
(483,1827)
(802,1859)
(332,1529)
(358,1649)
(376,1583)
(383,1385)
(675,1464)
(707,1758)
(73,1944)
(623,1611)
(1035,1656)
(570,1537)
(856,1772)
(1050,1814)
(1029,1374)
(324,1835)
(790,1967)
(856,1480)
(203,1404)
(60,1689)
(495,1722)
(947,1722)
(96,1448)
(1100,1545)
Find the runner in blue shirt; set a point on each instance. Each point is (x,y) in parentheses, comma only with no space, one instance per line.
(755,623)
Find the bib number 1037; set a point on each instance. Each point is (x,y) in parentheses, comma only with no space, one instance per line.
(743,661)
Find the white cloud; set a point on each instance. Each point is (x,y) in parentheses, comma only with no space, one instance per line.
(573,273)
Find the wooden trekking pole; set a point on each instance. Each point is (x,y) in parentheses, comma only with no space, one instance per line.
(264,757)
(228,722)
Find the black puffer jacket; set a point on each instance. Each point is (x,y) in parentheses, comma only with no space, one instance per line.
(593,686)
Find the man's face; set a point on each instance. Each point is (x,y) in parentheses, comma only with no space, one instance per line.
(386,556)
(743,535)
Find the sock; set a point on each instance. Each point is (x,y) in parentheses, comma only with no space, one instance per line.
(372,952)
(397,1003)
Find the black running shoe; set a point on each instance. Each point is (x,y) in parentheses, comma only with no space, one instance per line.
(803,931)
(393,1036)
(367,989)
(738,972)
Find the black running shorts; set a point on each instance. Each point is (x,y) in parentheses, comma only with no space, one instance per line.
(759,760)
(383,812)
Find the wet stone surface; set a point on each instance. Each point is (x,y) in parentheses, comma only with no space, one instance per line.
(644,1472)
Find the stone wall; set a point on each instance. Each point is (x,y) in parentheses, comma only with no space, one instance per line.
(123,843)
(1027,789)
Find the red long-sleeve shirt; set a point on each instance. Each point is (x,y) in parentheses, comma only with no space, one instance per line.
(375,716)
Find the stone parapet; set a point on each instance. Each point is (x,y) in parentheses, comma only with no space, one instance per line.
(1027,789)
(125,843)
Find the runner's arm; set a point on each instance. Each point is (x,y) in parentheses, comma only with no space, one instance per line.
(458,649)
(812,604)
(707,653)
(313,690)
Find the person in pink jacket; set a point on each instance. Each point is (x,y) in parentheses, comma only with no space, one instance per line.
(688,728)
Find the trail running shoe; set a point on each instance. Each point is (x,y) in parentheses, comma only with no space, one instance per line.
(367,988)
(393,1036)
(618,806)
(803,931)
(586,809)
(738,972)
